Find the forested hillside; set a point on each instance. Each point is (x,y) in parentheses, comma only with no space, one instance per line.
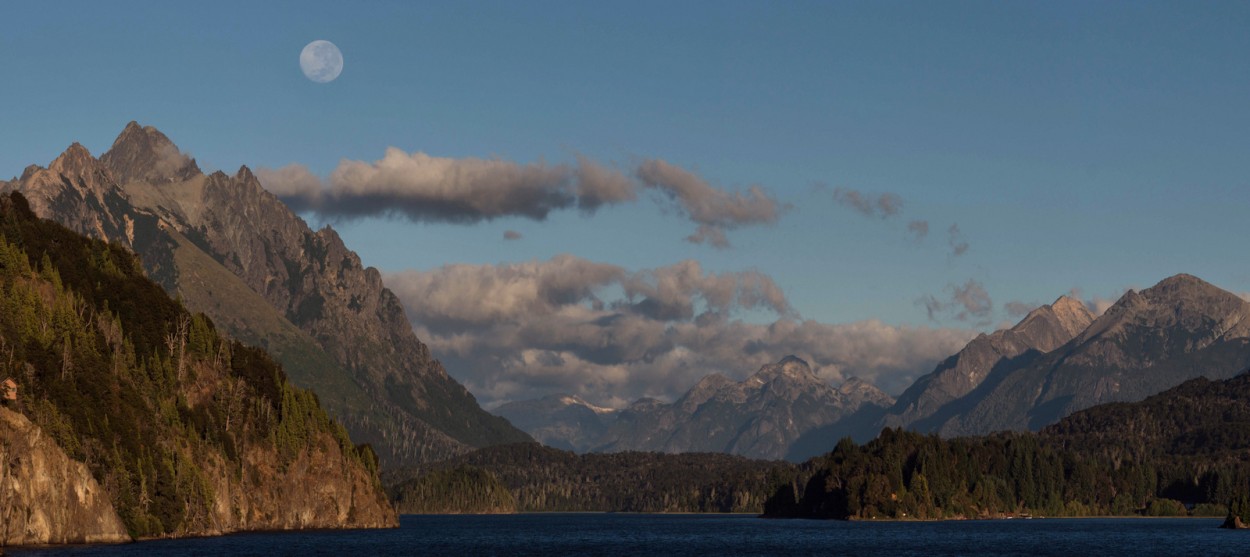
(538,478)
(188,432)
(1180,452)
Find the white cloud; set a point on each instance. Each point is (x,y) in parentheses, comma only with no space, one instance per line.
(611,335)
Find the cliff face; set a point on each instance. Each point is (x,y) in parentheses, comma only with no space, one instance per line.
(321,488)
(329,319)
(47,497)
(185,432)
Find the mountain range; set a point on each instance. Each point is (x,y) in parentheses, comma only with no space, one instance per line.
(758,417)
(1058,359)
(230,249)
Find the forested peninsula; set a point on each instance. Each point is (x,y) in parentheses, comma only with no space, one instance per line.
(1178,453)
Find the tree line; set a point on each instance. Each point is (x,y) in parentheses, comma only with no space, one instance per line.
(1178,453)
(128,381)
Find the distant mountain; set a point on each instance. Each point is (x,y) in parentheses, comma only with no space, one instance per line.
(759,417)
(1181,452)
(1147,342)
(562,421)
(231,249)
(927,402)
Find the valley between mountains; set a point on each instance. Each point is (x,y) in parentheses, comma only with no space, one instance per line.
(271,380)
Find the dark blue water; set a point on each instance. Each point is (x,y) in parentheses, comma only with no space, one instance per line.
(623,535)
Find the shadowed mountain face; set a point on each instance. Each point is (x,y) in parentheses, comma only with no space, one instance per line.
(1148,341)
(1042,330)
(233,251)
(1059,359)
(760,417)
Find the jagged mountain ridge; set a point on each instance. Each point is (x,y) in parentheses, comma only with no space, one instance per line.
(144,193)
(1149,341)
(759,417)
(1042,330)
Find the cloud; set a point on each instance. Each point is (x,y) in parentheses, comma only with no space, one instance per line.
(612,335)
(713,209)
(511,235)
(437,189)
(1097,305)
(883,206)
(424,188)
(918,229)
(293,184)
(967,302)
(1017,309)
(955,239)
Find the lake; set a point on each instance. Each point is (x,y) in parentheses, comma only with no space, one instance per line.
(623,535)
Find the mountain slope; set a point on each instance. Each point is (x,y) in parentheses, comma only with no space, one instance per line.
(760,417)
(1180,452)
(1176,330)
(186,432)
(926,403)
(352,333)
(560,421)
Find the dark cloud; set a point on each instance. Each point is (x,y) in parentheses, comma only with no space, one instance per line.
(1017,309)
(968,302)
(714,210)
(883,205)
(435,189)
(918,229)
(955,239)
(611,335)
(511,235)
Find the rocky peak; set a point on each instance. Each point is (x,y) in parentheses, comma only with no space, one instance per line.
(143,153)
(1180,302)
(860,391)
(1072,314)
(790,367)
(75,161)
(1063,319)
(706,389)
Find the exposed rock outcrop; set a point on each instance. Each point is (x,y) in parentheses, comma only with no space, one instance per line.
(328,318)
(45,496)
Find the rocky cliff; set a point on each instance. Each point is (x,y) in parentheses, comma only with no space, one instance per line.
(181,431)
(45,496)
(223,243)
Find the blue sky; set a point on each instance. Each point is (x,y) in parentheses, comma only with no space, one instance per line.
(1088,145)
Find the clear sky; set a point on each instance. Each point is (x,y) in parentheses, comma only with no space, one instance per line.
(1095,146)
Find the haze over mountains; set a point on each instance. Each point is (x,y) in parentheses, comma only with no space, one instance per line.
(1057,360)
(232,250)
(759,417)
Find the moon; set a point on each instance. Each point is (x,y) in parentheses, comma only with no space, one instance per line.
(321,61)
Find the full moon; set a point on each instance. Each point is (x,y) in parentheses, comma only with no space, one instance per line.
(321,61)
